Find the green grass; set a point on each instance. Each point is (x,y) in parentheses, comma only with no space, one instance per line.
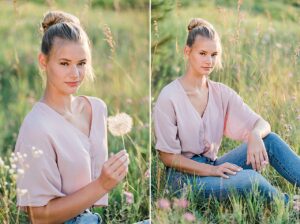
(261,62)
(121,81)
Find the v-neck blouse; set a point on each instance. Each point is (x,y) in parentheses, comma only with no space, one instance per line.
(60,159)
(180,129)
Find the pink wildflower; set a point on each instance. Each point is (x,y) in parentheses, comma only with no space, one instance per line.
(163,204)
(181,203)
(129,197)
(189,217)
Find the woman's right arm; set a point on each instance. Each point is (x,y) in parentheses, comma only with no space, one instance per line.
(61,209)
(183,164)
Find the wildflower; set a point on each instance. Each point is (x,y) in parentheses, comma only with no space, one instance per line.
(120,124)
(180,203)
(298,118)
(1,162)
(20,171)
(21,192)
(36,153)
(129,197)
(147,173)
(163,204)
(109,38)
(189,217)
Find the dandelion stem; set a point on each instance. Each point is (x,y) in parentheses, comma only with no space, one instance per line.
(123,142)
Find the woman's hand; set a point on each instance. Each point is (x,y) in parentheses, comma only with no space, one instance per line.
(225,168)
(257,155)
(114,170)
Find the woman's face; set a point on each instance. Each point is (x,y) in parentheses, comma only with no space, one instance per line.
(66,66)
(202,56)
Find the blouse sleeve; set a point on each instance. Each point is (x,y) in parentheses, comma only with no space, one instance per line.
(239,118)
(165,126)
(40,180)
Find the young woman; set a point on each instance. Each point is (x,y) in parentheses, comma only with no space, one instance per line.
(63,140)
(192,114)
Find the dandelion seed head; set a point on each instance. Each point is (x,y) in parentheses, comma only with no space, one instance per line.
(120,124)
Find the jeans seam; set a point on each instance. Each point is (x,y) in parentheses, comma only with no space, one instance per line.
(282,167)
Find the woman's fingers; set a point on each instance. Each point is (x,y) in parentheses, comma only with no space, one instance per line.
(257,162)
(119,163)
(252,161)
(266,157)
(232,167)
(221,174)
(115,157)
(229,171)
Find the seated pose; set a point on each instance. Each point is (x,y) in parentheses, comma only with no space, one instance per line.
(63,139)
(191,115)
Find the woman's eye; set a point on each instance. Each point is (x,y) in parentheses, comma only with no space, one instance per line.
(64,63)
(202,53)
(214,55)
(82,63)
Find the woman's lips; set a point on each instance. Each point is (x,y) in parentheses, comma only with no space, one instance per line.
(72,84)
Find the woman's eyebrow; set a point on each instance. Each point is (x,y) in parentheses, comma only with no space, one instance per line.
(204,51)
(65,59)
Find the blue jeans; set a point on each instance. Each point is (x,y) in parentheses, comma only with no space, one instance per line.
(281,157)
(87,217)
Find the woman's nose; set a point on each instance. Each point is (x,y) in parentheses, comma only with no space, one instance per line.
(209,60)
(75,72)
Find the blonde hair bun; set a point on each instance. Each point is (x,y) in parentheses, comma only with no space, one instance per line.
(198,22)
(53,17)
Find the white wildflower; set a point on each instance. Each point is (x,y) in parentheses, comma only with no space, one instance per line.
(21,192)
(120,124)
(20,171)
(36,153)
(1,162)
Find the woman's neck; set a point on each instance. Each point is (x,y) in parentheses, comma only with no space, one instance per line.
(194,81)
(59,102)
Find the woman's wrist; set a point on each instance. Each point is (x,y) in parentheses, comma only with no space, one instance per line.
(100,188)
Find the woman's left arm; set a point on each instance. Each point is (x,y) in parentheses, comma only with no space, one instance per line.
(256,153)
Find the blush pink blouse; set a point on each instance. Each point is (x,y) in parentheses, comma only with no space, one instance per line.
(179,128)
(60,159)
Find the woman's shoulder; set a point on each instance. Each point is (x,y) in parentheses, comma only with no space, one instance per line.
(169,91)
(98,103)
(220,87)
(35,122)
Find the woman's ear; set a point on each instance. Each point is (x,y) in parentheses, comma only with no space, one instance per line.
(42,61)
(187,51)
